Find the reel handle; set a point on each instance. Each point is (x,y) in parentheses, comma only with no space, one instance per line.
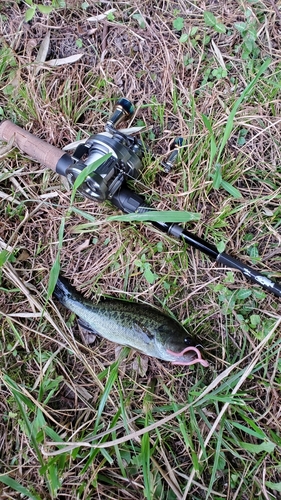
(36,148)
(123,110)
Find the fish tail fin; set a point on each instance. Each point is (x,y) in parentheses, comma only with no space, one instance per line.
(63,289)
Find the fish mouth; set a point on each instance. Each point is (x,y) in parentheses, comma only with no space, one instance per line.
(188,356)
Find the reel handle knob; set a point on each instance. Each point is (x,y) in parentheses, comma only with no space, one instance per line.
(124,109)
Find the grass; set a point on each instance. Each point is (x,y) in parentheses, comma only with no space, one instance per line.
(95,421)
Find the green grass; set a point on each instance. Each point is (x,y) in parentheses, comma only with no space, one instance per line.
(91,421)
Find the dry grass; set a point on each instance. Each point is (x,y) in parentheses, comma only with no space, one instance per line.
(203,425)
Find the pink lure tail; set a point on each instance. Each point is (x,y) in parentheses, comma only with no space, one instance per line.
(199,358)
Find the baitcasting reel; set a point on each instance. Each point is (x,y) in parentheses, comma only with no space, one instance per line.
(125,160)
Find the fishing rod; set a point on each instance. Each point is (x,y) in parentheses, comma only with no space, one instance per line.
(108,181)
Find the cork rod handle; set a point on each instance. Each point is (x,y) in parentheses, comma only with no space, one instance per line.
(36,148)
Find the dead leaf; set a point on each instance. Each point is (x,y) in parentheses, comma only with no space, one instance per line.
(83,392)
(64,60)
(218,55)
(100,17)
(133,130)
(24,255)
(267,212)
(83,246)
(42,53)
(5,246)
(30,46)
(140,365)
(117,351)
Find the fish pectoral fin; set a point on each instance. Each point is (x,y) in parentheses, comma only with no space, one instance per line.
(143,333)
(84,324)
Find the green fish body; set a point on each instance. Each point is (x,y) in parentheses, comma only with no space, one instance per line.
(132,324)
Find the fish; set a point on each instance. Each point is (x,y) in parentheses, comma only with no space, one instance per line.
(136,325)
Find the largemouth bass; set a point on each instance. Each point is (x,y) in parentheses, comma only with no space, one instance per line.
(132,324)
